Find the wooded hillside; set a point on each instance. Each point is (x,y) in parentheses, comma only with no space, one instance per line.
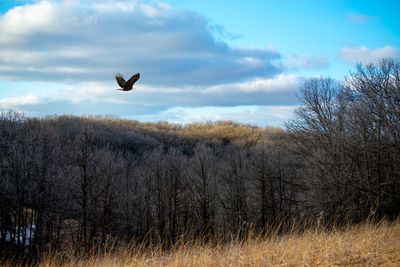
(79,181)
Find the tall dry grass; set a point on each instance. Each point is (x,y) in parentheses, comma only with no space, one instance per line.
(361,245)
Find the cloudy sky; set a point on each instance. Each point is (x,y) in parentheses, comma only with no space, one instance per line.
(200,60)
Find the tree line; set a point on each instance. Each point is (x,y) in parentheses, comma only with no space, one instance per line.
(79,181)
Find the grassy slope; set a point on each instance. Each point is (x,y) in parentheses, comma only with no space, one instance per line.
(362,245)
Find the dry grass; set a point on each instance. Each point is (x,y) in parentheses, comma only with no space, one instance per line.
(361,245)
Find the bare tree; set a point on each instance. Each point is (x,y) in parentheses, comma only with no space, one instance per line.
(204,175)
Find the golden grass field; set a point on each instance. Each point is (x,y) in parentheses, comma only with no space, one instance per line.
(361,245)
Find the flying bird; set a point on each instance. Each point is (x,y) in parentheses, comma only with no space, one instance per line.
(126,85)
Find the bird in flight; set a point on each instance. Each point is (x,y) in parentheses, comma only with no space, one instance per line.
(126,85)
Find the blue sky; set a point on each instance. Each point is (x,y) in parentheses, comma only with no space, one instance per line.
(200,60)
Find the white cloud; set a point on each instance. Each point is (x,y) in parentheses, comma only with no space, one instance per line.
(279,83)
(296,61)
(279,90)
(24,100)
(84,93)
(78,40)
(250,61)
(354,55)
(254,115)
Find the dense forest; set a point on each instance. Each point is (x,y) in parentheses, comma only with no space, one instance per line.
(81,181)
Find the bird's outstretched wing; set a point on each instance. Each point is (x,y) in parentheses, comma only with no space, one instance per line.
(120,80)
(132,80)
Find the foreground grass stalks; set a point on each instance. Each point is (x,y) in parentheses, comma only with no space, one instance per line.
(360,245)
